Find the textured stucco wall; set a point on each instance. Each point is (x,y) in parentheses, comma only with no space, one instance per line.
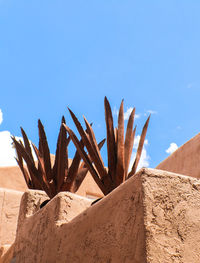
(12,178)
(154,217)
(185,160)
(9,209)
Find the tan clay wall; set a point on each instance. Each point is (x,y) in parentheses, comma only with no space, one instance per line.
(89,188)
(152,218)
(12,178)
(185,160)
(102,233)
(9,209)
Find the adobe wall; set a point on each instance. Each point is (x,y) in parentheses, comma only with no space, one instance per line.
(9,209)
(89,188)
(12,178)
(152,218)
(185,160)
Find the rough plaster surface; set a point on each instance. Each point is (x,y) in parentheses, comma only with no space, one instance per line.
(34,223)
(6,254)
(9,207)
(154,217)
(172,217)
(30,204)
(185,160)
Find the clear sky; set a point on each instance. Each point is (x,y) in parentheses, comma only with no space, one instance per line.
(55,54)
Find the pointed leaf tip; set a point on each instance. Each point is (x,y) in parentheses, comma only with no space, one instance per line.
(63,119)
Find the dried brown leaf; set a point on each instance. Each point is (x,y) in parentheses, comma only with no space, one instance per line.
(139,150)
(62,158)
(85,159)
(111,147)
(79,179)
(35,177)
(45,184)
(25,174)
(44,150)
(27,144)
(86,140)
(128,145)
(97,159)
(120,146)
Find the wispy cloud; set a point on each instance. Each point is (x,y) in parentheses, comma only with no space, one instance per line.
(115,111)
(172,148)
(7,151)
(144,159)
(126,113)
(152,112)
(1,116)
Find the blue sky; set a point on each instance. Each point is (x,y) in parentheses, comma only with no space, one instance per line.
(55,54)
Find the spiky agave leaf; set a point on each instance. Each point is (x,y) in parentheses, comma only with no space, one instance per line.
(129,140)
(72,172)
(45,183)
(27,144)
(93,142)
(118,150)
(120,146)
(43,176)
(25,174)
(19,161)
(34,174)
(139,150)
(81,174)
(85,159)
(62,158)
(75,170)
(111,147)
(44,150)
(82,171)
(86,140)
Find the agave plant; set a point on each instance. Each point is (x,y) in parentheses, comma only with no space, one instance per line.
(118,150)
(42,174)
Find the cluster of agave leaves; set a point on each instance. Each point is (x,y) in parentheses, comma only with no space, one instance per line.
(61,176)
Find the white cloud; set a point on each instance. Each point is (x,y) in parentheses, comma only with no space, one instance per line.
(126,113)
(115,111)
(7,151)
(152,112)
(1,116)
(144,159)
(172,148)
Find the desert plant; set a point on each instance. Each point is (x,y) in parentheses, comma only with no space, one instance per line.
(41,174)
(118,150)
